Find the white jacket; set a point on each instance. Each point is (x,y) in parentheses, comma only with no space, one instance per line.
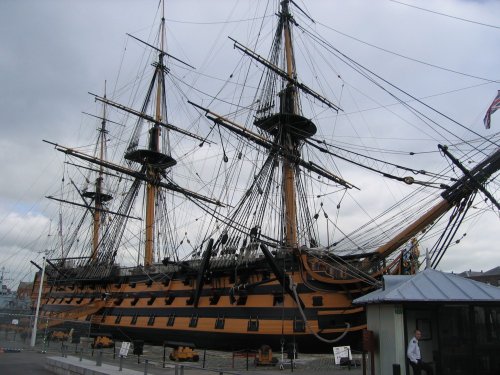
(413,352)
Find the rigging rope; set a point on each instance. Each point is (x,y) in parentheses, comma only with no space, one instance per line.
(369,74)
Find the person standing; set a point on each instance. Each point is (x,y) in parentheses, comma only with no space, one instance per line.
(413,354)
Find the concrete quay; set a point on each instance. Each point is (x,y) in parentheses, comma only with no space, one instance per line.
(72,365)
(71,359)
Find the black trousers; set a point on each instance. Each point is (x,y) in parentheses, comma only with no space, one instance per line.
(419,366)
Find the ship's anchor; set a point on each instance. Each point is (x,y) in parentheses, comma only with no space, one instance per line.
(293,287)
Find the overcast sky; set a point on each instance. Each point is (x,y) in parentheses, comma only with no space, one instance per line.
(53,52)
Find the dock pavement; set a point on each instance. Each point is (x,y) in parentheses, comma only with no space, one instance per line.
(18,357)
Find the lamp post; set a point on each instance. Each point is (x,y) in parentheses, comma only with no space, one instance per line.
(35,323)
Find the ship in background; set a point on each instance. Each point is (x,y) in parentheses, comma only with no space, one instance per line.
(15,306)
(225,213)
(14,300)
(7,296)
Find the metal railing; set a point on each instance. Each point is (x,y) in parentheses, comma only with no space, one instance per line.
(153,360)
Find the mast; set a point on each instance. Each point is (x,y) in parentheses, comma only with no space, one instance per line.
(98,202)
(98,196)
(154,141)
(285,124)
(156,158)
(290,209)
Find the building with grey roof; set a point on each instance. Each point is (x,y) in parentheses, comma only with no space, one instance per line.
(459,319)
(491,277)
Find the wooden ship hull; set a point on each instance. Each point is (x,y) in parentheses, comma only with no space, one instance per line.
(228,315)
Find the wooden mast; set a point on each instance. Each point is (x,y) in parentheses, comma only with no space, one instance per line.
(290,209)
(98,196)
(98,185)
(154,145)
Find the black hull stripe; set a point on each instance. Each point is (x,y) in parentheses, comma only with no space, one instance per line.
(239,312)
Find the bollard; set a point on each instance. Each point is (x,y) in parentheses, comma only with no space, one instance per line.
(182,370)
(176,370)
(146,366)
(121,363)
(99,358)
(81,354)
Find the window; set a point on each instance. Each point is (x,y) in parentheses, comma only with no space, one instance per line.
(214,299)
(194,321)
(425,327)
(134,319)
(317,301)
(242,300)
(171,320)
(169,300)
(298,325)
(278,300)
(219,323)
(151,320)
(253,324)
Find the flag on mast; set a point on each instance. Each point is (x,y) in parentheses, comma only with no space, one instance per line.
(493,107)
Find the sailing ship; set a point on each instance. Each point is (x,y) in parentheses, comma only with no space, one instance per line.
(244,253)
